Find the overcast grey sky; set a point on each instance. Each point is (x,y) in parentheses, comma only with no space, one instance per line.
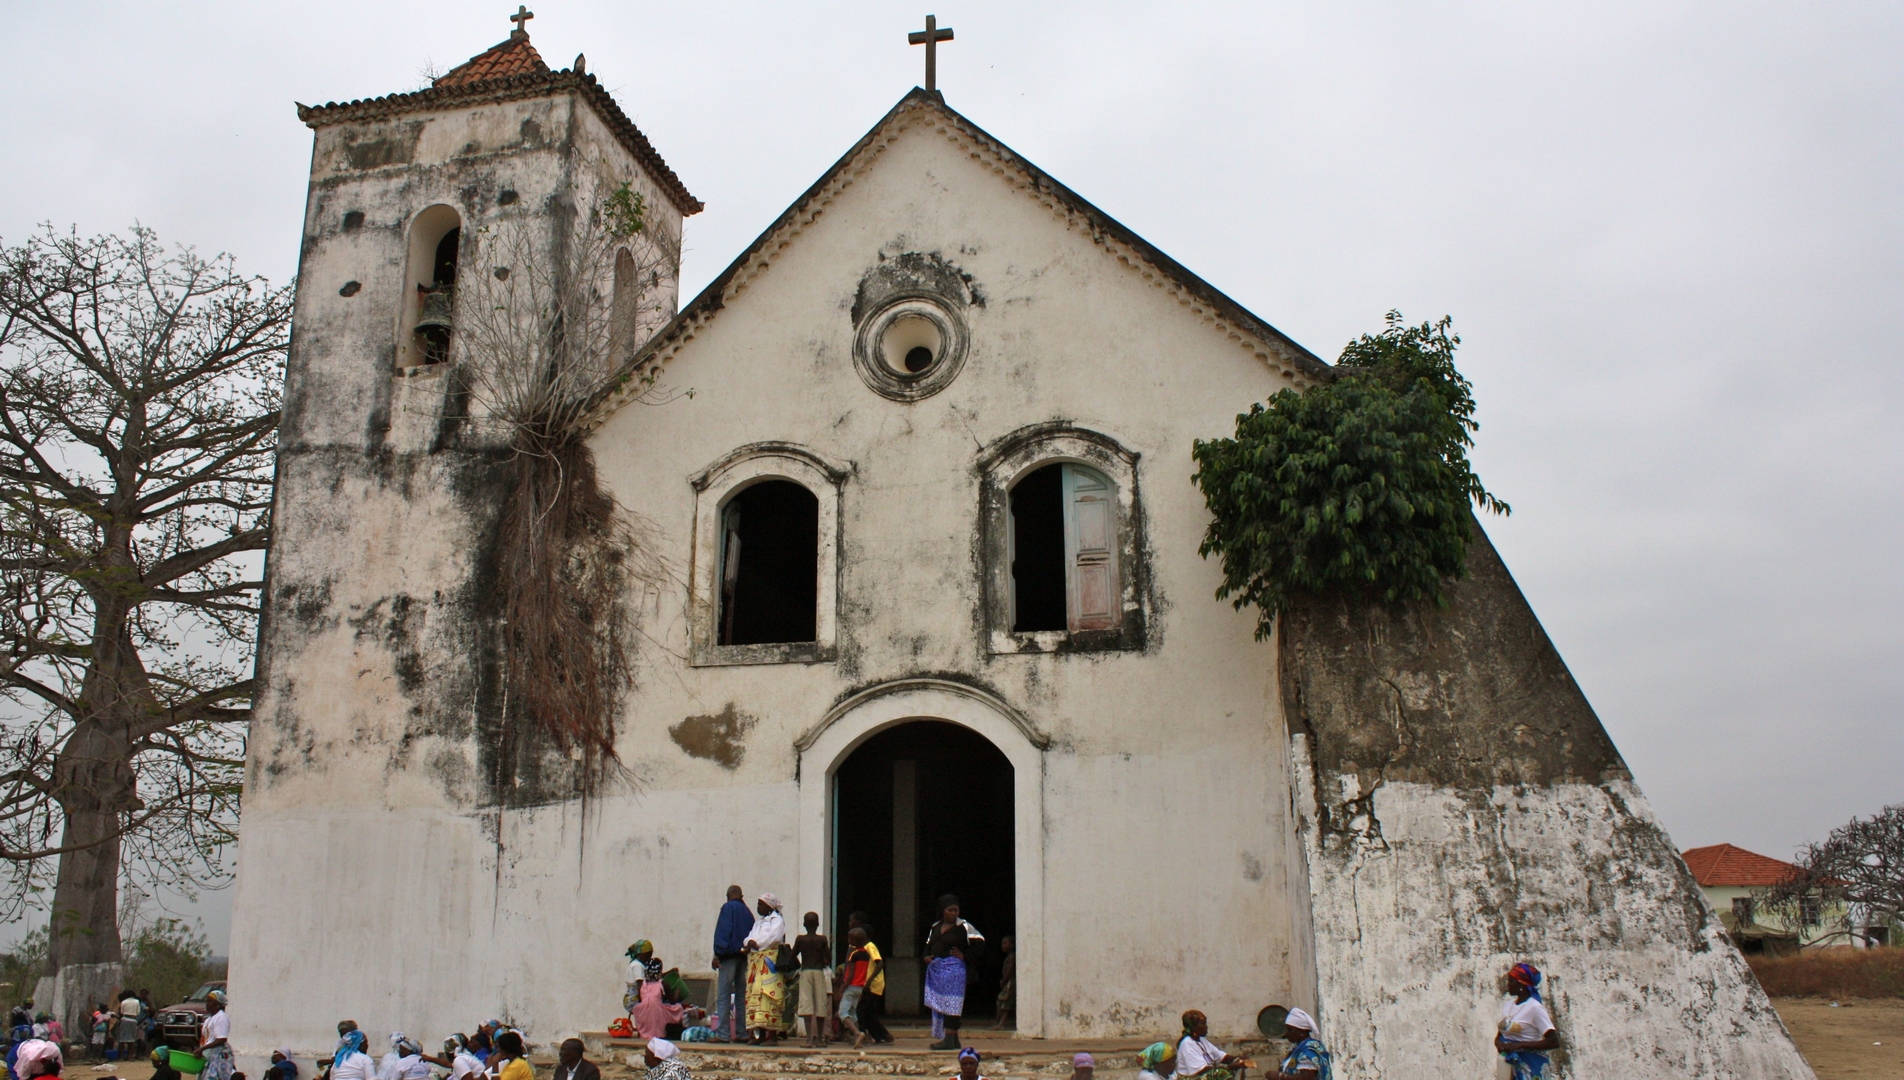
(1671,236)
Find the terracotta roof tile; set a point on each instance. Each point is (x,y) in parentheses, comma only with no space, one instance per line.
(513,56)
(1723,864)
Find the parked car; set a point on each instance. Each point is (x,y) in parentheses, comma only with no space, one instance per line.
(178,1024)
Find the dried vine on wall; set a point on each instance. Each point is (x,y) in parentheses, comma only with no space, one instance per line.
(548,322)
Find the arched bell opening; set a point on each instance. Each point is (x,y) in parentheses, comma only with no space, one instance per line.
(429,303)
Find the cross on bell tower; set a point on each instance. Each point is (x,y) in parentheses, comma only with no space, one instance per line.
(930,38)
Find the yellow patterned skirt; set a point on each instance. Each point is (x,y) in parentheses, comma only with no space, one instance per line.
(766,995)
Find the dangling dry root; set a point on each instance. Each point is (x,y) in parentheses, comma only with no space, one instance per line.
(565,557)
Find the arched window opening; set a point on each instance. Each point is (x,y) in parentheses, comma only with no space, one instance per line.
(769,565)
(438,299)
(621,327)
(430,307)
(1063,553)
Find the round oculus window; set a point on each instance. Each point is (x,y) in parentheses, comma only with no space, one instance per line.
(911,344)
(911,348)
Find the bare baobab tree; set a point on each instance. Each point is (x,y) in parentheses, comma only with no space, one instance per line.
(1852,884)
(138,416)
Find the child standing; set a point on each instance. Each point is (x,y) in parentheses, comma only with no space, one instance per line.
(814,953)
(859,965)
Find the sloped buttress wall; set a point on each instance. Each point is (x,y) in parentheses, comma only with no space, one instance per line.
(1461,808)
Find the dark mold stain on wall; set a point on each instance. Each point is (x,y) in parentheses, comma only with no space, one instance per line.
(915,273)
(1467,696)
(719,737)
(393,144)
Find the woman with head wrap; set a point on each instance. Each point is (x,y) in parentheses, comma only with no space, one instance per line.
(1198,1056)
(410,1064)
(162,1065)
(766,984)
(643,966)
(214,1039)
(1526,1029)
(1157,1061)
(968,1064)
(37,1057)
(664,1062)
(283,1066)
(350,1062)
(947,941)
(1307,1056)
(387,1064)
(464,1064)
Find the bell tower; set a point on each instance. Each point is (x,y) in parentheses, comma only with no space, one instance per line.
(374,739)
(398,186)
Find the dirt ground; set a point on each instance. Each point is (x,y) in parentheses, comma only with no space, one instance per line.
(1857,1039)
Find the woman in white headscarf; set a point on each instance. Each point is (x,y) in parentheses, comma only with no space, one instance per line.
(663,1059)
(766,984)
(1308,1059)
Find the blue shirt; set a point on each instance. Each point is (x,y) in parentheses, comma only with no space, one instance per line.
(1308,1054)
(731,930)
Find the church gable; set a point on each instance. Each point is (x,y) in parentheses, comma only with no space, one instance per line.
(924,114)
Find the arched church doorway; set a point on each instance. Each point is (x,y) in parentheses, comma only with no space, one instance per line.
(922,809)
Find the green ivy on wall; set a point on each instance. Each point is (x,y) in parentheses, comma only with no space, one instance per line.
(1359,486)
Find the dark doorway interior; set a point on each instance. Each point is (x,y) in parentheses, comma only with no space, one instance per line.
(770,564)
(961,843)
(1037,508)
(444,267)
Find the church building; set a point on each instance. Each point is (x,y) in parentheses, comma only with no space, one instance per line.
(923,614)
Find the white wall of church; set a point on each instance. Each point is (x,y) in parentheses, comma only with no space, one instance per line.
(378,884)
(388,876)
(1165,792)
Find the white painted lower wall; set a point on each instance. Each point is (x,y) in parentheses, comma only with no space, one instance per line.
(1439,891)
(429,920)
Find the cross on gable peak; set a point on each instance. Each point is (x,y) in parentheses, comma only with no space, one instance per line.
(521,19)
(930,38)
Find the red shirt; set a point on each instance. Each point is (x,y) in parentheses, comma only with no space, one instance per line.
(858,966)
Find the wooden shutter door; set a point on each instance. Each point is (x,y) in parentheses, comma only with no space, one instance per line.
(730,571)
(1092,597)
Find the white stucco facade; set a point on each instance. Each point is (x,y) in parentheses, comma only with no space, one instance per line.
(369,832)
(400,868)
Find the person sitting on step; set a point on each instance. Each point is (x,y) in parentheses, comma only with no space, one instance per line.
(1157,1061)
(1198,1056)
(663,1059)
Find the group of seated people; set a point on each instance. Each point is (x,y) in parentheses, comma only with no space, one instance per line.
(1194,1055)
(1525,1037)
(494,1052)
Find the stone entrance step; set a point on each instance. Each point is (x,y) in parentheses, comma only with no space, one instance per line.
(1002,1057)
